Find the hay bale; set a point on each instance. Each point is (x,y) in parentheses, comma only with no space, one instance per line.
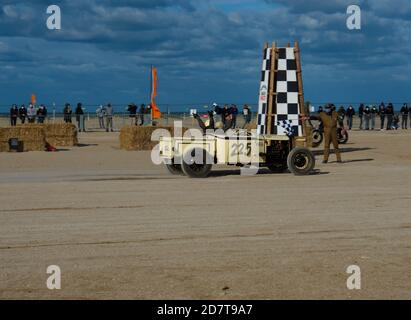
(33,137)
(58,134)
(61,134)
(139,138)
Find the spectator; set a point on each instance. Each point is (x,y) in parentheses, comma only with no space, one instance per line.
(67,112)
(367,118)
(246,115)
(14,113)
(41,114)
(404,116)
(341,116)
(31,113)
(381,112)
(109,112)
(142,112)
(132,109)
(80,117)
(228,117)
(374,113)
(361,114)
(234,113)
(350,115)
(23,114)
(100,116)
(389,112)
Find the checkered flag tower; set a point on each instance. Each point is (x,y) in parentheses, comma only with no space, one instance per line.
(281,99)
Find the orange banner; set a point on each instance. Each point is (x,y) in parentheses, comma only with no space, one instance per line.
(155,111)
(33,99)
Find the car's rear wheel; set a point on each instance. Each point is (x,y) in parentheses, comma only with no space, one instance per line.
(300,161)
(174,169)
(197,163)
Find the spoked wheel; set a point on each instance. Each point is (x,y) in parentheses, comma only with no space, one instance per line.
(300,161)
(342,135)
(317,138)
(197,163)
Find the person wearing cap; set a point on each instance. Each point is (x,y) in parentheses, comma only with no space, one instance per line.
(329,118)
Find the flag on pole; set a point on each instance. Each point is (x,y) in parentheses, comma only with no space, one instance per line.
(155,111)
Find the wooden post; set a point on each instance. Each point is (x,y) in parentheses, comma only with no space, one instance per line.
(306,129)
(271,90)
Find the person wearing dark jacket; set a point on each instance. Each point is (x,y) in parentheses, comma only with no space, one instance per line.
(361,115)
(389,112)
(41,114)
(14,113)
(404,116)
(132,109)
(141,113)
(350,115)
(80,117)
(67,112)
(23,114)
(381,112)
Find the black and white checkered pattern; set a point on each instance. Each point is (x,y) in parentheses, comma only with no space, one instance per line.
(263,98)
(286,108)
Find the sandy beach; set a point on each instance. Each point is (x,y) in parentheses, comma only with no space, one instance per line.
(120,227)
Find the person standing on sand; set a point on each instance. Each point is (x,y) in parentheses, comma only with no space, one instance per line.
(404,116)
(141,113)
(246,115)
(381,112)
(329,118)
(23,114)
(109,112)
(132,109)
(100,116)
(234,113)
(80,117)
(367,118)
(350,115)
(14,113)
(41,114)
(374,112)
(67,112)
(361,114)
(389,111)
(31,113)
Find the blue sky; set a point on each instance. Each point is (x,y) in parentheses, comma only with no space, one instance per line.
(205,50)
